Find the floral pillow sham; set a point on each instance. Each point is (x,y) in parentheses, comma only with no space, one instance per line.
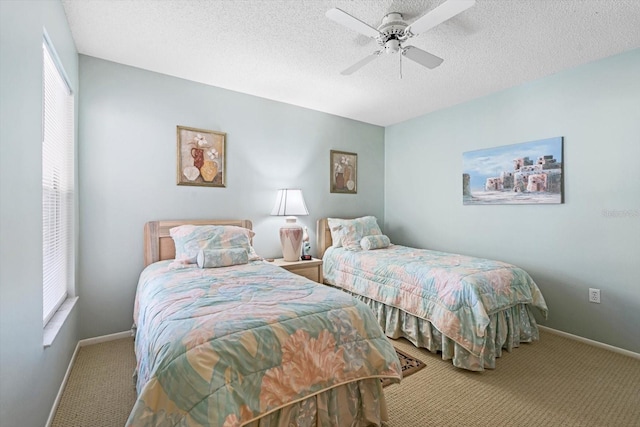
(190,239)
(349,232)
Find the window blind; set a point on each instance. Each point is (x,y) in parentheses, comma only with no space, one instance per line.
(57,185)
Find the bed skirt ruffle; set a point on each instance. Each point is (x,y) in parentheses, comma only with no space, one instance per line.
(359,403)
(506,330)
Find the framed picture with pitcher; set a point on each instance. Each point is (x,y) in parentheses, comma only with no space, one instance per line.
(344,172)
(201,157)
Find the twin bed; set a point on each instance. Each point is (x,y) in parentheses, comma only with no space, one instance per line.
(467,308)
(249,343)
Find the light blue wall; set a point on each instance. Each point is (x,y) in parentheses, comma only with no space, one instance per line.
(567,248)
(127,133)
(127,145)
(30,375)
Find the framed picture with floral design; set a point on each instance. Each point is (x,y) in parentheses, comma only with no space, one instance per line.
(201,157)
(344,172)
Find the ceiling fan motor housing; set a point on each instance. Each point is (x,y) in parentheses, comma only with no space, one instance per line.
(392,32)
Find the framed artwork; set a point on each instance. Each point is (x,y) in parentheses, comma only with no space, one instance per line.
(525,173)
(344,172)
(201,157)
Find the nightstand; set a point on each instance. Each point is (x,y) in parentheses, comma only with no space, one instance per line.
(311,269)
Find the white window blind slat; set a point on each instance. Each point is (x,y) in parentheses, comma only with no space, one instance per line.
(57,185)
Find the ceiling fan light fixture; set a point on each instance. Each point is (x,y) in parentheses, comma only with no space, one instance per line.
(392,46)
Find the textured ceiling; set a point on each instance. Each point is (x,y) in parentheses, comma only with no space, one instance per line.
(289,51)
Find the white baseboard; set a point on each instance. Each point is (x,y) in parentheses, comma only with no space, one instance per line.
(592,342)
(105,338)
(64,382)
(81,343)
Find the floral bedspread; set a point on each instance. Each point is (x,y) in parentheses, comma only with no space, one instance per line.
(456,293)
(224,346)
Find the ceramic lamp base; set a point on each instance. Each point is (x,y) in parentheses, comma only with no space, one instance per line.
(291,240)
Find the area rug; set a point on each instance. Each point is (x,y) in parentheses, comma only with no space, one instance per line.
(409,364)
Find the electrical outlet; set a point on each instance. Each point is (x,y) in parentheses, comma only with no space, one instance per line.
(594,295)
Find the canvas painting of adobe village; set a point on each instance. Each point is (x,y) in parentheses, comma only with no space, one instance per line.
(526,173)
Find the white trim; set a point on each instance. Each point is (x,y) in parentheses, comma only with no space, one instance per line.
(56,59)
(591,342)
(56,402)
(104,338)
(53,326)
(81,343)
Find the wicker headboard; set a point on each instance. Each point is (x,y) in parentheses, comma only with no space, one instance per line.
(158,244)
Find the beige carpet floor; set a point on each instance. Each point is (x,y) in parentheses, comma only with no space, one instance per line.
(100,391)
(553,382)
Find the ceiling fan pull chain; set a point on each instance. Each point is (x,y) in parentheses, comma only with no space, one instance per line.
(400,65)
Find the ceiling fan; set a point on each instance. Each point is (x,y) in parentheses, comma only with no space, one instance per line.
(394,31)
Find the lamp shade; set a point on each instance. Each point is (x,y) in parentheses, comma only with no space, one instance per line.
(289,202)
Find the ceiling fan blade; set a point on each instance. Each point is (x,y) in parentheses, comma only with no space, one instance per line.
(343,18)
(445,11)
(355,67)
(421,57)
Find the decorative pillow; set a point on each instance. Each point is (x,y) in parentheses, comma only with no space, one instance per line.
(379,241)
(335,227)
(363,226)
(214,258)
(190,239)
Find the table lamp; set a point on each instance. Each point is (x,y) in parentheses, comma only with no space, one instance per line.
(289,203)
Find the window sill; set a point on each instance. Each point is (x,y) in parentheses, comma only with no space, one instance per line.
(54,325)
